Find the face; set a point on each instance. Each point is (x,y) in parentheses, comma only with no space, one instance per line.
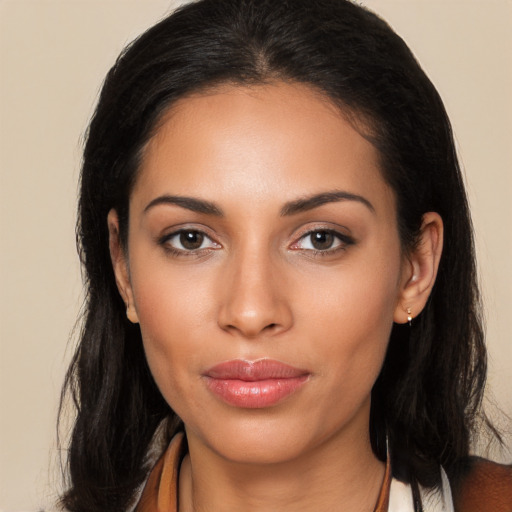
(265,269)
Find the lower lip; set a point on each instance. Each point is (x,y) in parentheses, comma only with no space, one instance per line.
(254,394)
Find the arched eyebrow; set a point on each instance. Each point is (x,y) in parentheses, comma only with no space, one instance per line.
(290,208)
(308,203)
(190,203)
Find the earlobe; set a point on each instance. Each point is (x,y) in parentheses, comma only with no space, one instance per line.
(420,269)
(120,266)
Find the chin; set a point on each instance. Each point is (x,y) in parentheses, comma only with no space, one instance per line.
(259,439)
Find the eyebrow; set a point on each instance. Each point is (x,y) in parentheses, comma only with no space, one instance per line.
(190,203)
(308,203)
(291,208)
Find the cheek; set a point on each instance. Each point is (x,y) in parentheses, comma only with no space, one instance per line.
(175,314)
(350,318)
(171,299)
(359,296)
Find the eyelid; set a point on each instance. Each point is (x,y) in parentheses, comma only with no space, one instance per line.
(170,230)
(165,239)
(344,240)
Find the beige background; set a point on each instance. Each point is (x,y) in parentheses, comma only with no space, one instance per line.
(53,56)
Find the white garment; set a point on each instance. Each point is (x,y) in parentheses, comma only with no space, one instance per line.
(400,497)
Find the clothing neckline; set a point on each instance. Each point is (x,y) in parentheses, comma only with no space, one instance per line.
(160,493)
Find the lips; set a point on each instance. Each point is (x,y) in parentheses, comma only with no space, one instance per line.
(254,384)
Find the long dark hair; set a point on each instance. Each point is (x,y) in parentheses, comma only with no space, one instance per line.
(427,398)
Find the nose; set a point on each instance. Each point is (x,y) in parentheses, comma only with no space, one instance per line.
(254,301)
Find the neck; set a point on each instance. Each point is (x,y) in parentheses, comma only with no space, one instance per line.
(342,473)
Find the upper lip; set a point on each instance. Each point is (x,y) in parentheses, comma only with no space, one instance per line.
(252,371)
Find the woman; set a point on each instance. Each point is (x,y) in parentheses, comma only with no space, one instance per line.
(280,265)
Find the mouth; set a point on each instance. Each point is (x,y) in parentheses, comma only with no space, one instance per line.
(254,384)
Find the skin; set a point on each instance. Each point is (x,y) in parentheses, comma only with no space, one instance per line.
(258,288)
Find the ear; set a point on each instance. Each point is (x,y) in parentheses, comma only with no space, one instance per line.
(420,269)
(120,266)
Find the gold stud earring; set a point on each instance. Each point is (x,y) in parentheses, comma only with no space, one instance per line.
(409,317)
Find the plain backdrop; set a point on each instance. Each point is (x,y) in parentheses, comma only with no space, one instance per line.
(53,57)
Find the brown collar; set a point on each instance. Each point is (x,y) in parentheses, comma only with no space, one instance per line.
(161,491)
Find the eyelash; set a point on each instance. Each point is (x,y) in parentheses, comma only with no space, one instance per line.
(344,241)
(164,242)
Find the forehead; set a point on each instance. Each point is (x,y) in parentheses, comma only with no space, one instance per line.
(283,140)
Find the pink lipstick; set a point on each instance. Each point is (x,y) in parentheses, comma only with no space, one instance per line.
(254,384)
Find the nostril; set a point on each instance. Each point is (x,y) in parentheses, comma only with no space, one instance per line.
(268,328)
(250,319)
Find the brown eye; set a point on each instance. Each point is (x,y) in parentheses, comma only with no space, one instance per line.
(188,241)
(191,240)
(322,240)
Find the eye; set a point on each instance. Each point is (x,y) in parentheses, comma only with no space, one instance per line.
(188,240)
(323,240)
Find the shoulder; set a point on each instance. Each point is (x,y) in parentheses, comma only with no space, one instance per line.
(481,485)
